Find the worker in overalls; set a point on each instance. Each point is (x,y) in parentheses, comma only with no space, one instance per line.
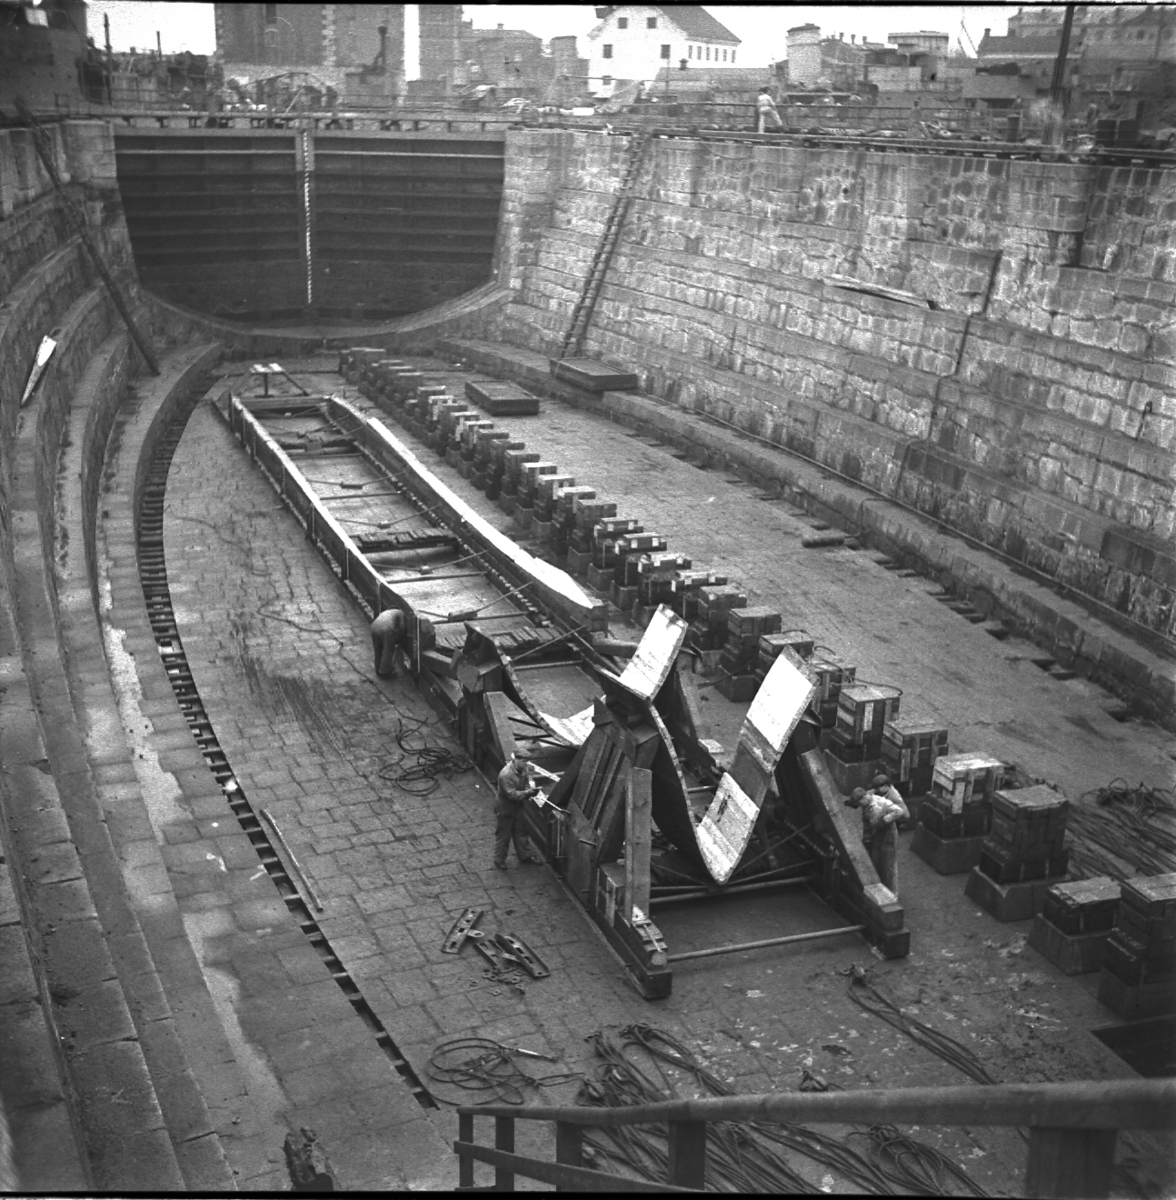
(765,109)
(882,807)
(515,787)
(389,631)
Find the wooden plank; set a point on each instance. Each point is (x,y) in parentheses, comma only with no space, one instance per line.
(687,1165)
(593,376)
(565,1177)
(1106,1104)
(638,802)
(504,1178)
(465,1166)
(499,708)
(1071,1163)
(569,1151)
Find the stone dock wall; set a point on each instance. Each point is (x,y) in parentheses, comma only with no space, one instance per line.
(1032,405)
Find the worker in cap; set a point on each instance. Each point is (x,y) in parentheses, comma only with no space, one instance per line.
(515,786)
(882,808)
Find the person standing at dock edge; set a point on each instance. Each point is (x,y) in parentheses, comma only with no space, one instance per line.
(765,108)
(514,787)
(882,808)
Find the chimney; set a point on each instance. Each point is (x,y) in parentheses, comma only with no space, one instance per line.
(501,26)
(987,32)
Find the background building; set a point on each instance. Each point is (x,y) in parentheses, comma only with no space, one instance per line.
(635,41)
(341,46)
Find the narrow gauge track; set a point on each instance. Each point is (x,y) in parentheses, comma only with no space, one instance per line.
(152,566)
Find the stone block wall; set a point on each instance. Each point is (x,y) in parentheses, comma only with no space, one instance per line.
(1028,399)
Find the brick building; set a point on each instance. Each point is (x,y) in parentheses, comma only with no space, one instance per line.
(341,44)
(1121,58)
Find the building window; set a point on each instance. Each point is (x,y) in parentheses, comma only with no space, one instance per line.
(271,15)
(651,22)
(689,51)
(606,51)
(708,54)
(606,80)
(622,22)
(732,55)
(665,53)
(724,56)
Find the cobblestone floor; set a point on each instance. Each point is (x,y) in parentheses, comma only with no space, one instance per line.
(281,658)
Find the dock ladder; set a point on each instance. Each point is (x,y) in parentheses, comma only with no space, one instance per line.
(582,314)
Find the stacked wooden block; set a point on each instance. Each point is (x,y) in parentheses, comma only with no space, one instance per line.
(1075,921)
(1025,842)
(587,513)
(686,589)
(656,574)
(955,818)
(831,675)
(963,787)
(1139,961)
(1023,855)
(740,657)
(862,712)
(771,645)
(910,750)
(709,629)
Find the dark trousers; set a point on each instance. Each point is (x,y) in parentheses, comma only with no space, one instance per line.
(884,855)
(509,823)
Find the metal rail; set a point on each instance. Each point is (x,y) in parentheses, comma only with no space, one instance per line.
(737,947)
(1073,1128)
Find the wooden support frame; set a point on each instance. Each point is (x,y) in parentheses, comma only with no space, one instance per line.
(638,835)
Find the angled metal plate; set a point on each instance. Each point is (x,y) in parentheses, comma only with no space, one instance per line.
(573,730)
(729,822)
(726,828)
(646,671)
(777,708)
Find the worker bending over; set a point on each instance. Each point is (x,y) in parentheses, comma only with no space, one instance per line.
(882,808)
(388,635)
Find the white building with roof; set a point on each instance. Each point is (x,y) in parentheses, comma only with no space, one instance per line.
(635,41)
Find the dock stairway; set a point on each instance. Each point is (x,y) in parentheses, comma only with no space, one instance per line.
(582,313)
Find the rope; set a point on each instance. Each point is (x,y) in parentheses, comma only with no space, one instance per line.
(1126,831)
(419,769)
(865,995)
(741,1156)
(477,1064)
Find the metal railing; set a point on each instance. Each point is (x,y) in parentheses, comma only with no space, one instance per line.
(1072,1130)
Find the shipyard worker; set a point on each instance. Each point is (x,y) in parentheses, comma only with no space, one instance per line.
(388,635)
(765,108)
(882,808)
(514,787)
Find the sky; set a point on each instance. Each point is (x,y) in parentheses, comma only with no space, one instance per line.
(762,28)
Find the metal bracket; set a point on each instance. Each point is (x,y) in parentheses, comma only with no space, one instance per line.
(462,928)
(521,953)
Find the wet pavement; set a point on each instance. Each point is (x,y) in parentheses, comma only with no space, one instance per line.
(281,657)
